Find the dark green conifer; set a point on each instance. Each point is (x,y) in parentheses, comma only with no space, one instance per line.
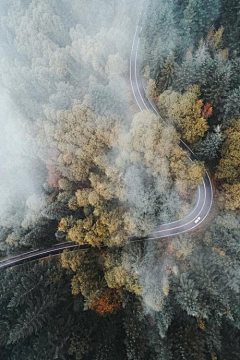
(167,74)
(199,16)
(209,147)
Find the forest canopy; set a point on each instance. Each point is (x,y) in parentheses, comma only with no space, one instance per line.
(68,79)
(81,163)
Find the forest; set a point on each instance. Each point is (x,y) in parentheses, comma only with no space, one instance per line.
(79,162)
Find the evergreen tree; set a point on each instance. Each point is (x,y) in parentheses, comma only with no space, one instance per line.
(209,147)
(235,74)
(199,16)
(40,236)
(137,346)
(217,82)
(185,75)
(167,74)
(160,36)
(230,20)
(231,105)
(155,60)
(56,210)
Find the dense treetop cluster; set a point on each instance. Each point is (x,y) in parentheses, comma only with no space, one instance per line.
(191,65)
(105,172)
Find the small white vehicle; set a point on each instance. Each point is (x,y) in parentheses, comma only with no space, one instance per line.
(197,220)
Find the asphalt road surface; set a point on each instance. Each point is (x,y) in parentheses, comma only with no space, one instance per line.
(191,221)
(205,191)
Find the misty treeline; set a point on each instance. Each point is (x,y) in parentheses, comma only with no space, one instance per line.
(53,54)
(98,174)
(102,171)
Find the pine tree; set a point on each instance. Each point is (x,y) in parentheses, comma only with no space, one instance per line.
(40,236)
(167,74)
(32,320)
(230,20)
(160,36)
(36,316)
(199,16)
(185,75)
(137,346)
(209,147)
(164,317)
(57,210)
(235,74)
(217,85)
(155,60)
(188,341)
(231,105)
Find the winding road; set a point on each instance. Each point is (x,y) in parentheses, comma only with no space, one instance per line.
(205,191)
(191,221)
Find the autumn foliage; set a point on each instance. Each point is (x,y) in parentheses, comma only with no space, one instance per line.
(187,112)
(110,303)
(207,110)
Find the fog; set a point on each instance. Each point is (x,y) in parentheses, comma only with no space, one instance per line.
(52,55)
(21,172)
(80,163)
(68,113)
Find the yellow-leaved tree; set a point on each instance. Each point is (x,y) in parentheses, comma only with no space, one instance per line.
(186,111)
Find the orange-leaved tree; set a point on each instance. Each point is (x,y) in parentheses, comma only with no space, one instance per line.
(109,303)
(207,110)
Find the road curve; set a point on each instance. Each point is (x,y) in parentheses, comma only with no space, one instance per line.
(205,191)
(191,221)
